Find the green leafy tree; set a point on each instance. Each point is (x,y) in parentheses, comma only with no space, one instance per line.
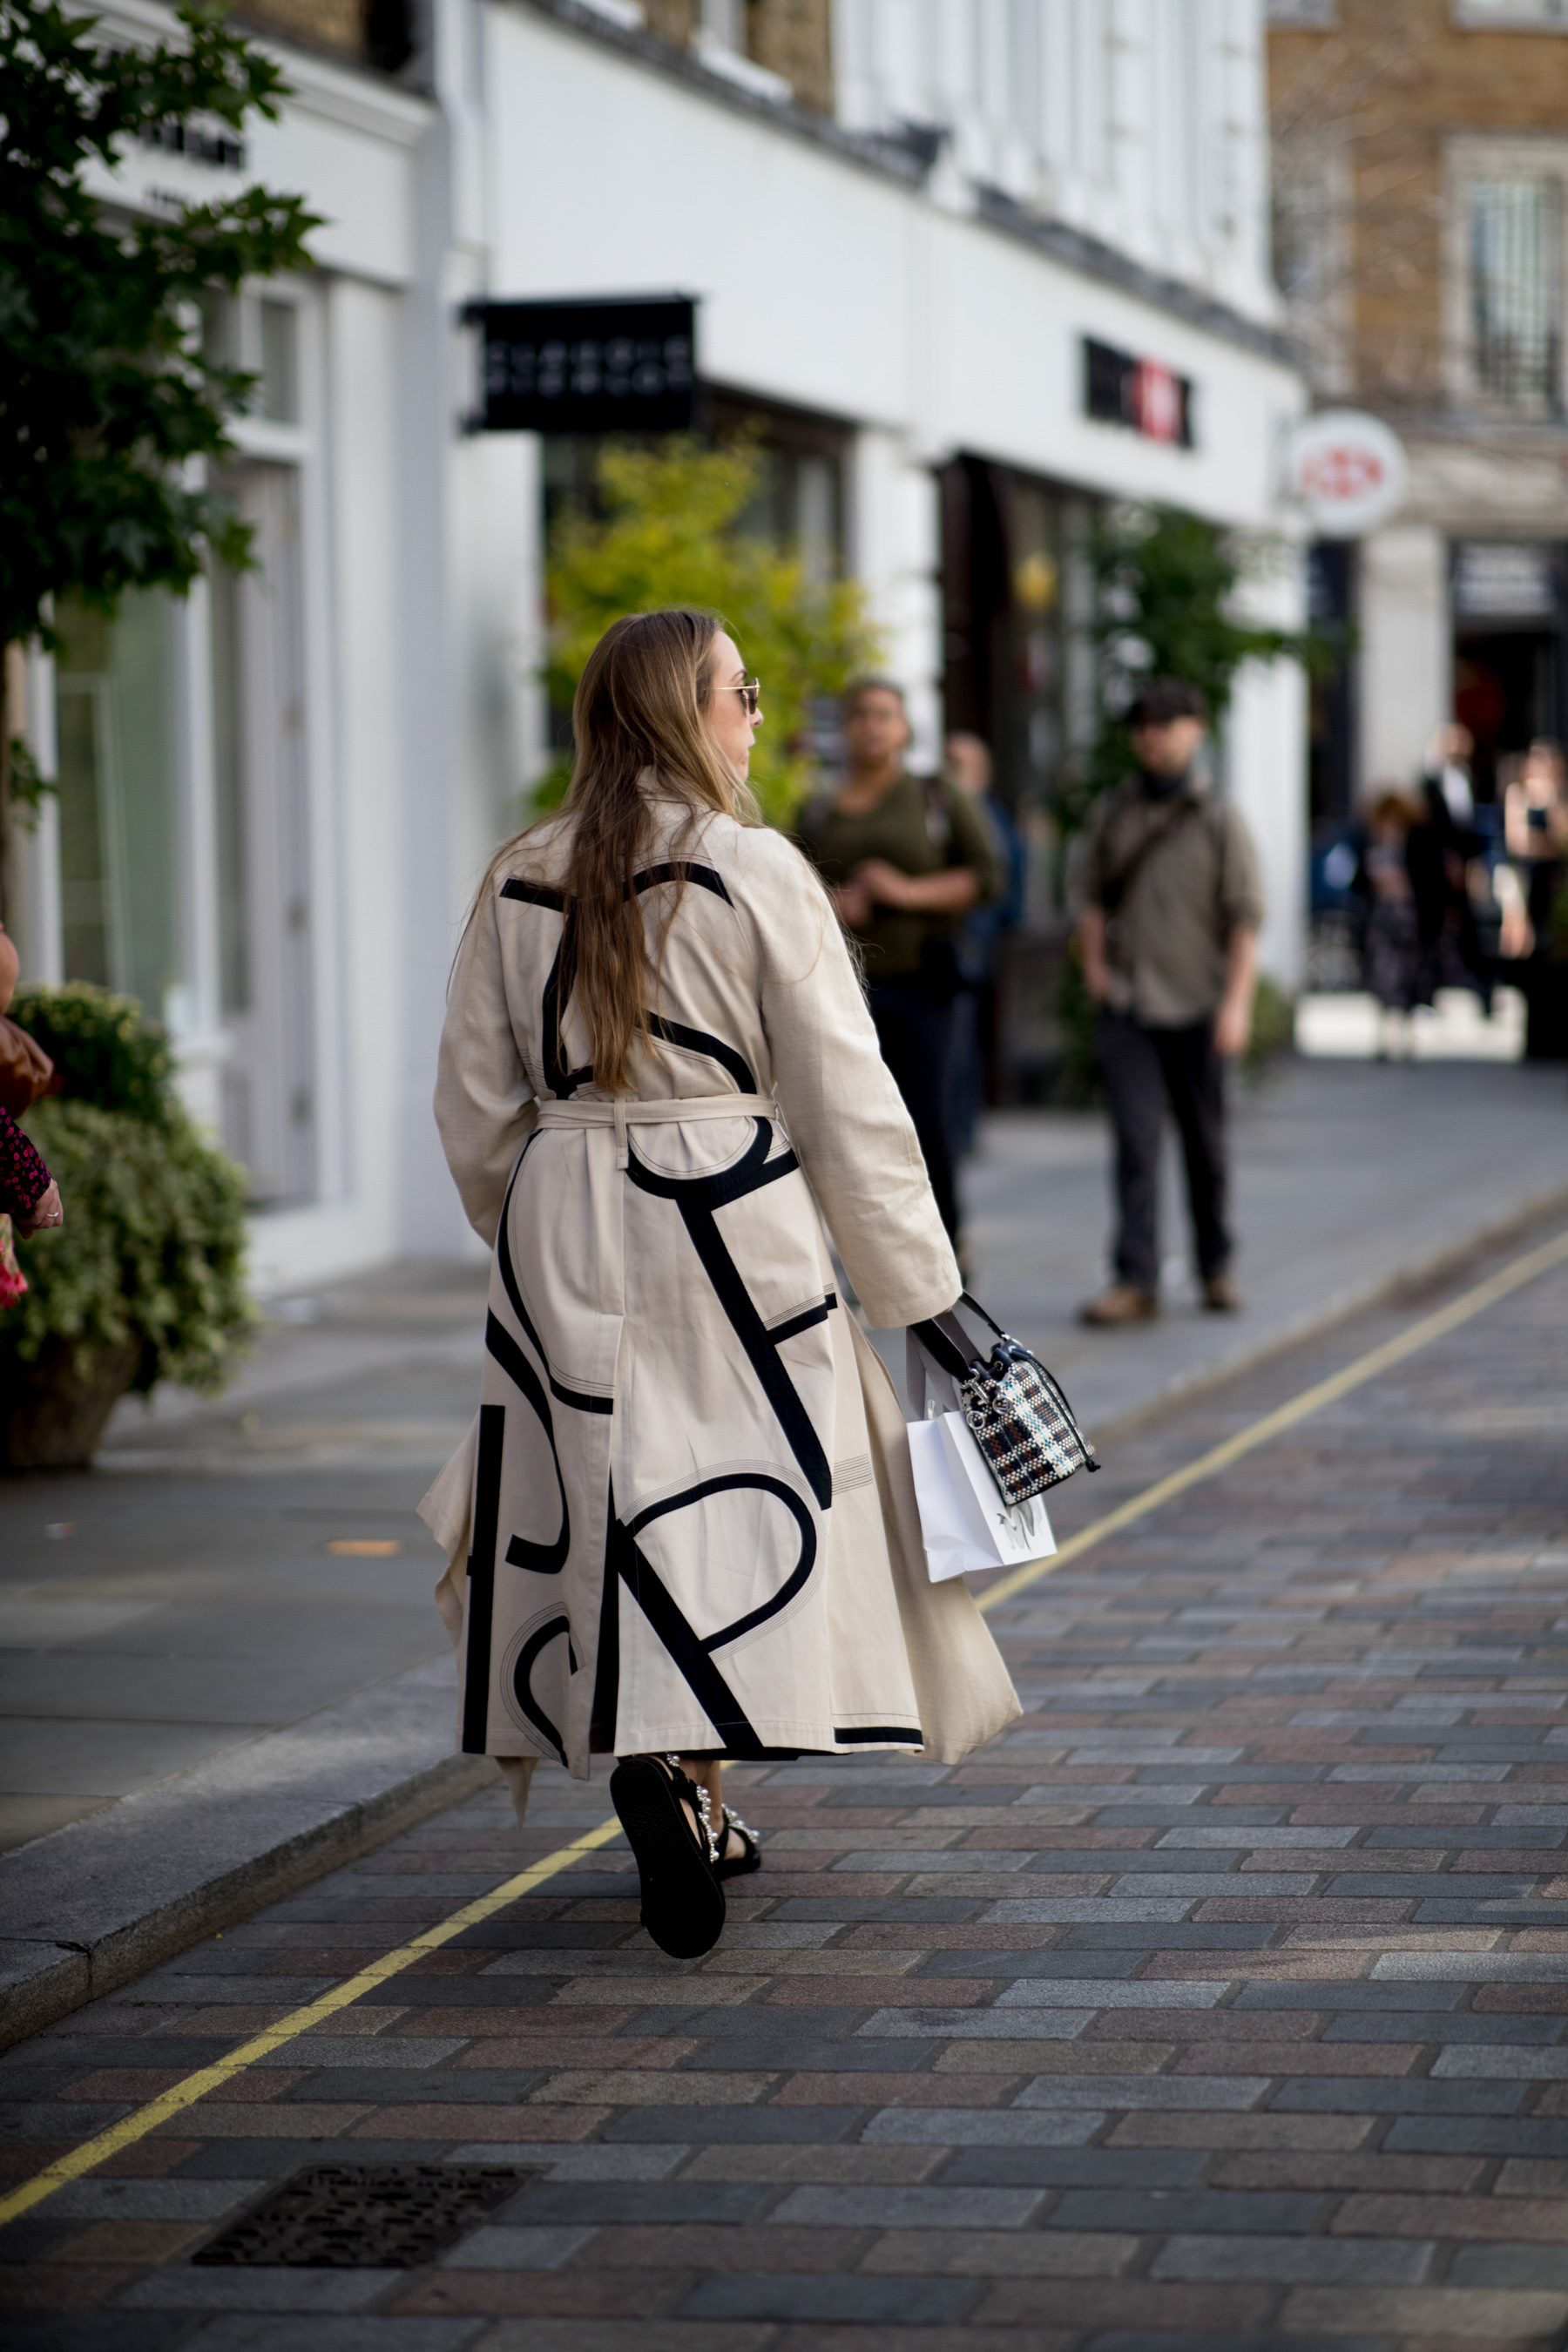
(1167,587)
(672,532)
(106,394)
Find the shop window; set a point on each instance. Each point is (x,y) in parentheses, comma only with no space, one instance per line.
(1004,559)
(1516,291)
(277,392)
(800,498)
(119,862)
(262,336)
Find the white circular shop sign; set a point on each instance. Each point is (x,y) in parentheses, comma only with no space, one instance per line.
(1348,470)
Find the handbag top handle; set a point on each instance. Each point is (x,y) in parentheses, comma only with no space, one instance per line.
(949,1344)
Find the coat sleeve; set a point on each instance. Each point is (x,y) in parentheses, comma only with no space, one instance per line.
(484,1103)
(845,1118)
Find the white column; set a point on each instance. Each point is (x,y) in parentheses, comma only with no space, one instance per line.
(1405,667)
(1265,773)
(368,769)
(198,1037)
(896,552)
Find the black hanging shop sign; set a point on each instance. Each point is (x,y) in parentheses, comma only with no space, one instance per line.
(587,367)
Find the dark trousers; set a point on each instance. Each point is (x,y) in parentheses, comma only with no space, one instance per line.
(916,1037)
(1146,1072)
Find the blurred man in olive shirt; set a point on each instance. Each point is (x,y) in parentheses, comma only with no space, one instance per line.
(1173,904)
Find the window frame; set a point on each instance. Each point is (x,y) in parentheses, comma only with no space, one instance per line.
(1475,16)
(1471,160)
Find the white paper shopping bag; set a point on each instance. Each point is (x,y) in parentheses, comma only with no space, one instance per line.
(965,1524)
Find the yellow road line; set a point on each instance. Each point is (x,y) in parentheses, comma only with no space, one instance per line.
(1459,1310)
(180,2095)
(185,2094)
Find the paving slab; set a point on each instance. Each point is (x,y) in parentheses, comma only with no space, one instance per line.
(744,2153)
(173,1622)
(1349,1178)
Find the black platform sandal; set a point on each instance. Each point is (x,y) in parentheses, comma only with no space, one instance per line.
(749,1858)
(682,1901)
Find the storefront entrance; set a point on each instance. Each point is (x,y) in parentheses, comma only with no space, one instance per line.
(1006,580)
(1509,607)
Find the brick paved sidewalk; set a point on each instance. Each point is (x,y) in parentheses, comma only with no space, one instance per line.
(1221,2004)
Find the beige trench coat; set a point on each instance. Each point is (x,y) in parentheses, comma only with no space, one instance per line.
(684,1519)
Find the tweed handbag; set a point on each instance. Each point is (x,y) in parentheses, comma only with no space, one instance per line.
(1015,1410)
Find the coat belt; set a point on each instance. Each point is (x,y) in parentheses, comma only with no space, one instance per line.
(623,1112)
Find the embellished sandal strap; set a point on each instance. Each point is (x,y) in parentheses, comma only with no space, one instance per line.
(696,1798)
(748,1836)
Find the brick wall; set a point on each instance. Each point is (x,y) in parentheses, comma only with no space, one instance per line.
(792,37)
(1372,103)
(335,24)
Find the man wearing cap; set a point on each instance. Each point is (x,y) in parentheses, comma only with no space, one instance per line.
(1173,904)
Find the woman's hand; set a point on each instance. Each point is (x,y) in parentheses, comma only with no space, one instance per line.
(883,884)
(949,892)
(48,1213)
(852,904)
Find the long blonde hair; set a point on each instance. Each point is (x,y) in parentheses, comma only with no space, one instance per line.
(640,706)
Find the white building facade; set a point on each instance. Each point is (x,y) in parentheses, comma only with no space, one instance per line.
(1023,268)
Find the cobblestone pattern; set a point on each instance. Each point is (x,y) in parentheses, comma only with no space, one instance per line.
(1220,2003)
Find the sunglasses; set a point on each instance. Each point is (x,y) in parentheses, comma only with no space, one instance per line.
(751,688)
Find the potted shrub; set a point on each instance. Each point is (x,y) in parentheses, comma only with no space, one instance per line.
(145,1281)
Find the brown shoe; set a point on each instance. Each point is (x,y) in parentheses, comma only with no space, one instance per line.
(1221,1295)
(1122,1303)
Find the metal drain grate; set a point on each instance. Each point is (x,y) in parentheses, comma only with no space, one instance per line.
(351,2217)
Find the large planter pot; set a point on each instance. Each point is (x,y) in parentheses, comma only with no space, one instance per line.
(54,1413)
(1546,995)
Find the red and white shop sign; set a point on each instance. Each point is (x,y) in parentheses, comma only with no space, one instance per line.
(1348,470)
(1157,401)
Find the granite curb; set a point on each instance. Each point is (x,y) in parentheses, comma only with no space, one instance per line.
(91,1907)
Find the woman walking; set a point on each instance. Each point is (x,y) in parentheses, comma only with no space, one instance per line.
(906,858)
(682,1528)
(1391,942)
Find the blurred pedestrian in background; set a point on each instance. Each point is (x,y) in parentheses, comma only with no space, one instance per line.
(905,858)
(1535,835)
(1173,903)
(1390,944)
(1440,852)
(967,765)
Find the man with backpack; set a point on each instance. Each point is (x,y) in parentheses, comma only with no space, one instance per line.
(1173,904)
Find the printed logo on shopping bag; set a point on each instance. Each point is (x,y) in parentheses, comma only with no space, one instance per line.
(965,1525)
